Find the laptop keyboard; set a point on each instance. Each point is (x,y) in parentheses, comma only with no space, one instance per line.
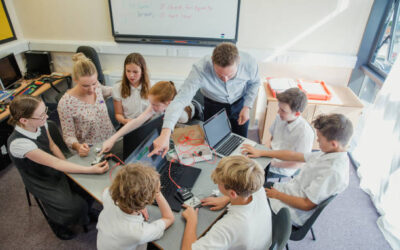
(167,186)
(230,145)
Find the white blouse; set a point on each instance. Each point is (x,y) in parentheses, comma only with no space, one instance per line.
(133,105)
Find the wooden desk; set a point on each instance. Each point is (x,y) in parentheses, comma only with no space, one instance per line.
(39,91)
(95,185)
(343,101)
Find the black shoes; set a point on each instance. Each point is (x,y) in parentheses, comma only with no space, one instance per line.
(62,232)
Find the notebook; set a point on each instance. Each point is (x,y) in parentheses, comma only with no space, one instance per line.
(219,135)
(184,176)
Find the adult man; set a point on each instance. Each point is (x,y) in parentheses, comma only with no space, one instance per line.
(228,79)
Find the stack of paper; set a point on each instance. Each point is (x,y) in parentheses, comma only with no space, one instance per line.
(282,84)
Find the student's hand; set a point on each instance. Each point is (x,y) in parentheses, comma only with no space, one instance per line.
(126,120)
(272,193)
(161,143)
(145,214)
(107,146)
(251,151)
(244,115)
(190,214)
(216,203)
(83,149)
(100,168)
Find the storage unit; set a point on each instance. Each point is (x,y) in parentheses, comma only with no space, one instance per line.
(343,101)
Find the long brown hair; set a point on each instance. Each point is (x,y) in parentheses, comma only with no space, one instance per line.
(163,91)
(22,106)
(137,59)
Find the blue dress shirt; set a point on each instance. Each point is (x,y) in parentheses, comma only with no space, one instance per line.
(202,76)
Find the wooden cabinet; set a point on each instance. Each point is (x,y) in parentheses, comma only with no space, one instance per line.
(343,101)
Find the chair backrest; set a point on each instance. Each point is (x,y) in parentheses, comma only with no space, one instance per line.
(57,138)
(281,229)
(91,53)
(298,233)
(111,112)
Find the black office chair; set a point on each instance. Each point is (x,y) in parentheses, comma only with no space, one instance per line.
(111,113)
(298,233)
(281,229)
(91,53)
(198,102)
(270,175)
(56,135)
(280,176)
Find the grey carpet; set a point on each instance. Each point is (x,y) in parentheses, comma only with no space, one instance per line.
(349,221)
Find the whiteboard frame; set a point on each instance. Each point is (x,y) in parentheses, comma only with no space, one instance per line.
(172,40)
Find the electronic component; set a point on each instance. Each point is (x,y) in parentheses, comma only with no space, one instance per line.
(184,194)
(193,202)
(98,159)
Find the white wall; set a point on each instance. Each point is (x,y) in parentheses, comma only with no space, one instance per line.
(315,39)
(309,39)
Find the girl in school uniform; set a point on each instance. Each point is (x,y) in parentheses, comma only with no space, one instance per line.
(160,96)
(130,94)
(42,165)
(82,110)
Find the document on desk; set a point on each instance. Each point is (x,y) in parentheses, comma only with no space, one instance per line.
(282,84)
(313,88)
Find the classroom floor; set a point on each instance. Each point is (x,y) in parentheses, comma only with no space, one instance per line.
(348,222)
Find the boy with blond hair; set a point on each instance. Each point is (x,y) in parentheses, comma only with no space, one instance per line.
(247,223)
(325,173)
(121,224)
(290,131)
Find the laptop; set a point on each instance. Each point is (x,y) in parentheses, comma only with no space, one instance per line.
(133,139)
(184,176)
(218,132)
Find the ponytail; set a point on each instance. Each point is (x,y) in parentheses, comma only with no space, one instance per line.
(83,66)
(163,91)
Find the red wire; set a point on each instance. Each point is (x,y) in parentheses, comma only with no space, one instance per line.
(169,174)
(112,168)
(185,139)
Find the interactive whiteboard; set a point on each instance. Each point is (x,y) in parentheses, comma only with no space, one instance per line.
(187,22)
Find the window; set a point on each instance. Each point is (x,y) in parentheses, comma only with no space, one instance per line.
(387,46)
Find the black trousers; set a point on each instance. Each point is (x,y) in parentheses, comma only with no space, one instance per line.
(233,110)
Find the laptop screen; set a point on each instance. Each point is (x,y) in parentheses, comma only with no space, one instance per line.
(217,128)
(134,138)
(141,152)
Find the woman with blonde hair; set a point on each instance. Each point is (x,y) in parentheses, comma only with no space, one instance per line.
(41,165)
(82,110)
(160,96)
(130,94)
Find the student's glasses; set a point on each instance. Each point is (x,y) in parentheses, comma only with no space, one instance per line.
(42,116)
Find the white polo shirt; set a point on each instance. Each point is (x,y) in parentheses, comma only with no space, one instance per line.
(119,230)
(19,147)
(323,175)
(133,105)
(243,227)
(295,136)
